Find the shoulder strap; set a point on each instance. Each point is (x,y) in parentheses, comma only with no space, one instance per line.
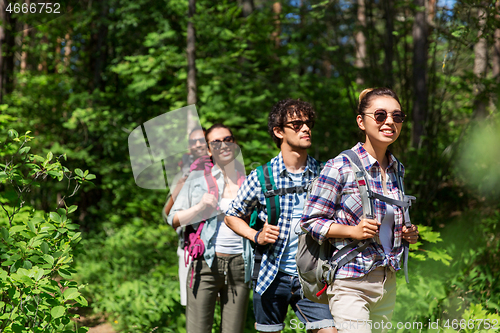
(362,182)
(212,188)
(267,183)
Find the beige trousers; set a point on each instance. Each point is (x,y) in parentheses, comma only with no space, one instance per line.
(365,304)
(226,278)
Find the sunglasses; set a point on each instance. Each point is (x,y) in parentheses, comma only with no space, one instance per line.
(381,115)
(296,125)
(216,144)
(193,142)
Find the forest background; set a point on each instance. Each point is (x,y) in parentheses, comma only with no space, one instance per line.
(83,80)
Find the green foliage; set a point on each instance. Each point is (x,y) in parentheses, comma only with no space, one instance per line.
(132,275)
(36,248)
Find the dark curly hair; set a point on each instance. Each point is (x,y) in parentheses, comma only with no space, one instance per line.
(286,109)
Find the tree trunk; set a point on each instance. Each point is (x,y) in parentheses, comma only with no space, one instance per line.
(277,22)
(388,80)
(191,58)
(419,73)
(100,58)
(24,53)
(360,42)
(247,7)
(480,66)
(8,52)
(496,47)
(2,42)
(191,55)
(67,51)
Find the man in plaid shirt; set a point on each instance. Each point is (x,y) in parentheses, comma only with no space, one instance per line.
(277,284)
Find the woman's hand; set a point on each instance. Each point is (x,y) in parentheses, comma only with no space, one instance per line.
(410,234)
(208,200)
(366,228)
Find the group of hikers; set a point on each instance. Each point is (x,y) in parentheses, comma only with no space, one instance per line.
(241,232)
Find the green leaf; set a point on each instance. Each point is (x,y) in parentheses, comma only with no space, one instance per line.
(49,156)
(58,311)
(15,229)
(61,211)
(3,176)
(48,258)
(71,293)
(12,133)
(90,177)
(55,217)
(79,172)
(65,274)
(31,226)
(71,209)
(45,247)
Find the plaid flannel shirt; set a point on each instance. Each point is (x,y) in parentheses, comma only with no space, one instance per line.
(336,199)
(250,196)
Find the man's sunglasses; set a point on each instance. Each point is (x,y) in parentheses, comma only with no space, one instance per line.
(381,115)
(296,125)
(216,144)
(192,142)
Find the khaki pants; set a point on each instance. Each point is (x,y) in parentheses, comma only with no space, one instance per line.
(365,304)
(227,279)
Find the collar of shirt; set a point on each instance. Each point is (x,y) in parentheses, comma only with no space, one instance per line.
(368,160)
(311,166)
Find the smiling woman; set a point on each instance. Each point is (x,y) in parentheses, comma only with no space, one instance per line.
(364,288)
(222,267)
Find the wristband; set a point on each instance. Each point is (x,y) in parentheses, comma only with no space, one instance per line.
(255,239)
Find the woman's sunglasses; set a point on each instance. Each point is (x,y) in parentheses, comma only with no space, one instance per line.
(296,125)
(216,144)
(381,115)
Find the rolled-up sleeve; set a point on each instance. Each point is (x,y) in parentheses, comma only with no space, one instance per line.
(323,201)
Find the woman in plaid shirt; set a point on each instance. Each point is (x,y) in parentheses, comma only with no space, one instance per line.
(363,294)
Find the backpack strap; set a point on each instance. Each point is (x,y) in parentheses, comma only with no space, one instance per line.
(406,217)
(283,191)
(267,183)
(368,195)
(362,182)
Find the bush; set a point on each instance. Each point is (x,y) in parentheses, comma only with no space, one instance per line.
(36,248)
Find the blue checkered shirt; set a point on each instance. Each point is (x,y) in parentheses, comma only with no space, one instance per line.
(335,198)
(250,196)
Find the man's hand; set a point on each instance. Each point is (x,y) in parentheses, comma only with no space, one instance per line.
(269,234)
(367,228)
(410,234)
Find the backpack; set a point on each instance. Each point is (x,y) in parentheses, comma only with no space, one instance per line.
(272,195)
(316,264)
